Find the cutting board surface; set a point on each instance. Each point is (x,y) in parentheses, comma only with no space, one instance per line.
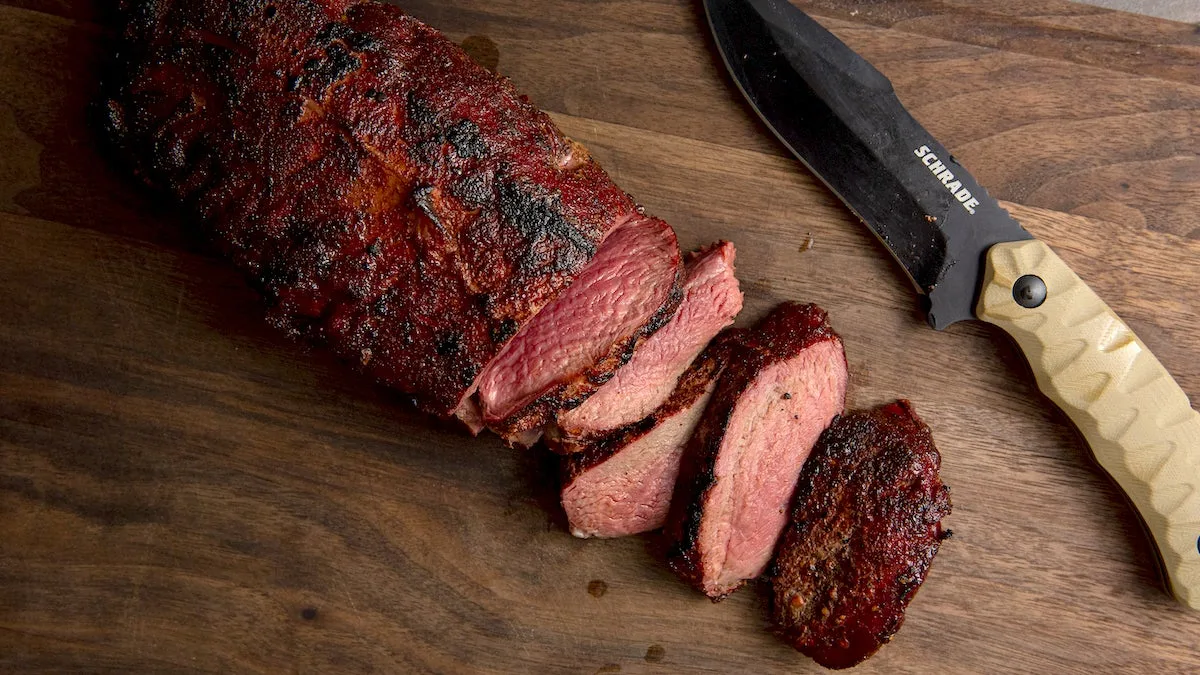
(183,489)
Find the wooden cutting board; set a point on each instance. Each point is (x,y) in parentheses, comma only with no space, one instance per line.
(183,489)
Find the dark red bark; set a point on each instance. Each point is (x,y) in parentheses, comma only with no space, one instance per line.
(865,527)
(389,196)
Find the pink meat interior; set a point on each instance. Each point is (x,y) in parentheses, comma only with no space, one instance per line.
(627,281)
(631,491)
(711,302)
(771,432)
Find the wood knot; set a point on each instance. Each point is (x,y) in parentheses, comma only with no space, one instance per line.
(655,654)
(597,588)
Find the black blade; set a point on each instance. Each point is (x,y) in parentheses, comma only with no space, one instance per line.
(841,117)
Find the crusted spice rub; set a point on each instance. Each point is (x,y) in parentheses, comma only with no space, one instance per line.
(389,196)
(865,527)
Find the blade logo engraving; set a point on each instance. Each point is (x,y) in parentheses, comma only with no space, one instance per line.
(942,173)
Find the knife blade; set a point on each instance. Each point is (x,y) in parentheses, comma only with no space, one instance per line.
(970,260)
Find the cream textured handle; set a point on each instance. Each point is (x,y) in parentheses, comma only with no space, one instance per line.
(1134,416)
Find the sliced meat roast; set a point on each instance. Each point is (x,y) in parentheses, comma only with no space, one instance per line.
(627,293)
(865,527)
(390,197)
(783,386)
(622,483)
(711,301)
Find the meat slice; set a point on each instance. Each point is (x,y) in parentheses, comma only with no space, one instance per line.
(389,197)
(629,291)
(782,388)
(621,484)
(710,303)
(865,527)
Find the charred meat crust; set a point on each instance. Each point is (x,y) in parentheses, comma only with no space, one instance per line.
(788,330)
(591,452)
(575,390)
(865,527)
(387,195)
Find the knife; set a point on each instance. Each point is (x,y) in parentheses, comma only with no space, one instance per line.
(970,260)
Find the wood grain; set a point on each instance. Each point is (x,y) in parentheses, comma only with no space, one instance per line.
(183,490)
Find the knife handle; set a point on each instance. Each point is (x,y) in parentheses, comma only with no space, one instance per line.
(1133,414)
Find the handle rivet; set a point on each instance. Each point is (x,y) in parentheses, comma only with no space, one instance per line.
(1030,291)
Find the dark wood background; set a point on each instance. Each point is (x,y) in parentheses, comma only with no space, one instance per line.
(182,489)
